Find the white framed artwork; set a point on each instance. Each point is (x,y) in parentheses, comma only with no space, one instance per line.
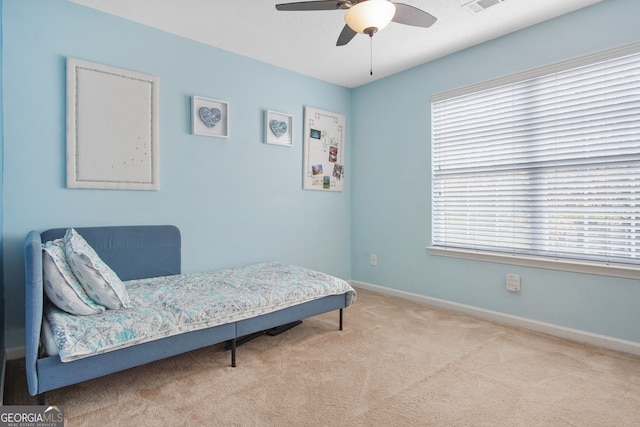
(278,128)
(209,117)
(112,127)
(324,150)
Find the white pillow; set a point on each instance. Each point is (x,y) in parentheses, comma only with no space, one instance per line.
(100,282)
(61,286)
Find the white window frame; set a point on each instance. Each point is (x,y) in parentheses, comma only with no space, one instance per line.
(514,255)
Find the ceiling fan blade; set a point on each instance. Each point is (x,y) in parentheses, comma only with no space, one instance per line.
(311,5)
(345,36)
(410,15)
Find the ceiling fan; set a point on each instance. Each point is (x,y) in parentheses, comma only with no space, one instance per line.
(366,16)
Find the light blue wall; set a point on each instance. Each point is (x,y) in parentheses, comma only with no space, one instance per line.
(236,200)
(391,182)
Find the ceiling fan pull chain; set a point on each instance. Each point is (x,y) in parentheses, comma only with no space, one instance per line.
(371,55)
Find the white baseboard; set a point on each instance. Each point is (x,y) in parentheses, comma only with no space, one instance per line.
(605,341)
(14,353)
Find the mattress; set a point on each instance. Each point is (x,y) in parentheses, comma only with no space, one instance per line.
(170,305)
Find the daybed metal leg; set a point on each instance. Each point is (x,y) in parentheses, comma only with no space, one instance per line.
(233,353)
(341,318)
(41,399)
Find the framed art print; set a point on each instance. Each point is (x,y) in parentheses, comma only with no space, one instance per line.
(278,128)
(324,144)
(209,117)
(112,127)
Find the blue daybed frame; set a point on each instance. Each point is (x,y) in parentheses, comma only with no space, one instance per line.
(133,252)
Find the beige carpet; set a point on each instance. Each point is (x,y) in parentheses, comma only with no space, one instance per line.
(397,363)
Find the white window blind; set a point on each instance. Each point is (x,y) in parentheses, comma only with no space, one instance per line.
(544,163)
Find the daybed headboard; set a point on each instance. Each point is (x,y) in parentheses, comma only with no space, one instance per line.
(133,252)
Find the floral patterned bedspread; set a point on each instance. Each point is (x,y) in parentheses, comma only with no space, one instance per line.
(170,305)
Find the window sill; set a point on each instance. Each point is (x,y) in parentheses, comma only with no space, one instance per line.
(615,270)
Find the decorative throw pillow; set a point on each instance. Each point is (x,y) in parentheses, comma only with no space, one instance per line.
(61,286)
(100,282)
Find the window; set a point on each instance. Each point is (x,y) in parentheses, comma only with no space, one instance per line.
(542,164)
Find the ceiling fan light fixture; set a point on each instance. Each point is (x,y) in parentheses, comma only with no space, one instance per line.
(370,16)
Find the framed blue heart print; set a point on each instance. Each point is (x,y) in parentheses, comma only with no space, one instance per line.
(209,117)
(278,128)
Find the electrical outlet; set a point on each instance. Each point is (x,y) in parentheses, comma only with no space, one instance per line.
(373,259)
(513,282)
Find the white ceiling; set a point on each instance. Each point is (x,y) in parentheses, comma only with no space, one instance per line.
(305,41)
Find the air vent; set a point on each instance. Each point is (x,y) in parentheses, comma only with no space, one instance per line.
(480,5)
